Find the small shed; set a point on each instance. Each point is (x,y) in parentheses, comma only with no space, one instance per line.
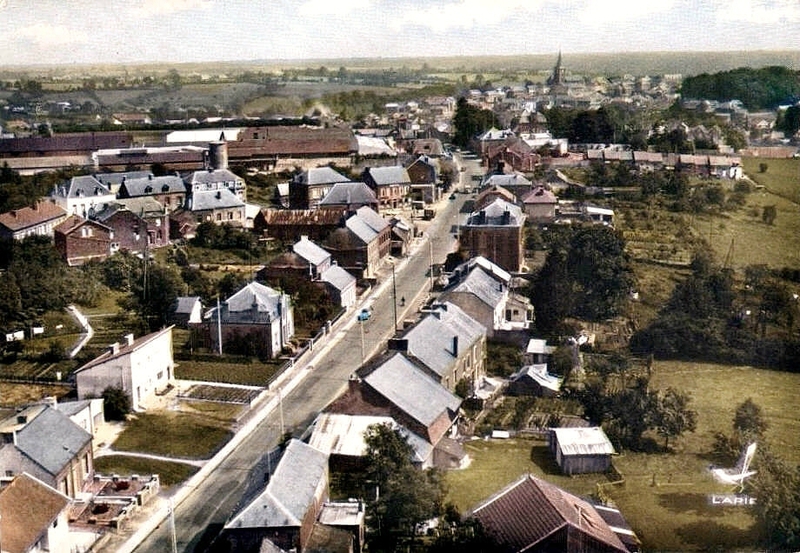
(581,450)
(188,311)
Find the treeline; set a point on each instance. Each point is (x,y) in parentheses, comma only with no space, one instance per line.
(709,319)
(763,88)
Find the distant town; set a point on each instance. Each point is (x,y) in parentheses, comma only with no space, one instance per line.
(359,308)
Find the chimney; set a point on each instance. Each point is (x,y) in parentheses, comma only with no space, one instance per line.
(129,339)
(482,217)
(353,383)
(113,349)
(22,419)
(506,217)
(398,344)
(455,346)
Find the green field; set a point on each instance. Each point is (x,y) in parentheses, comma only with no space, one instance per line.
(673,514)
(782,176)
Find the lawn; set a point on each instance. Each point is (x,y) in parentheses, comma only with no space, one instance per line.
(173,434)
(673,514)
(12,395)
(782,176)
(168,473)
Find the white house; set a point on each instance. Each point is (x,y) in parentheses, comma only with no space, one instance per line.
(139,367)
(82,196)
(33,517)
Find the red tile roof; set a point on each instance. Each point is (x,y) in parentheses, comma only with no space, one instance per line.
(40,213)
(27,509)
(532,510)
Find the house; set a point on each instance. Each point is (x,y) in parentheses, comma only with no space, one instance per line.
(348,516)
(580,450)
(79,240)
(37,220)
(349,196)
(403,232)
(168,190)
(188,311)
(139,367)
(341,286)
(317,259)
(33,517)
(449,344)
(534,380)
(390,184)
(82,195)
(396,386)
(221,206)
(424,175)
(514,183)
(213,179)
(286,265)
(342,437)
(598,215)
(514,153)
(131,231)
(285,512)
(490,193)
(532,515)
(45,443)
(362,244)
(540,205)
(256,312)
(113,181)
(496,233)
(291,224)
(483,291)
(307,188)
(89,414)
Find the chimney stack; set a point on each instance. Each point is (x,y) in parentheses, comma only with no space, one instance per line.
(113,349)
(455,346)
(129,339)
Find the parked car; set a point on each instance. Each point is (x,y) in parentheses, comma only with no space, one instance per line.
(364,315)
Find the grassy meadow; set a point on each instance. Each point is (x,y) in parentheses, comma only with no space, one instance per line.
(664,496)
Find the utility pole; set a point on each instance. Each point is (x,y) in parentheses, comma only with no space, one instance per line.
(430,252)
(219,328)
(173,537)
(361,330)
(394,297)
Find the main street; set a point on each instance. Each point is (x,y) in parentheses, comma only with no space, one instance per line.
(207,506)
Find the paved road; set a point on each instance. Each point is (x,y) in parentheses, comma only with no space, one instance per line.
(199,518)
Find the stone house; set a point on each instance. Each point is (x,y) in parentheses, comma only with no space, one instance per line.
(496,233)
(540,205)
(424,175)
(168,190)
(391,185)
(43,442)
(349,196)
(82,196)
(307,188)
(362,244)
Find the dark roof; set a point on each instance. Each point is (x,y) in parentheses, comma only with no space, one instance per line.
(50,438)
(303,216)
(78,142)
(150,185)
(287,140)
(73,222)
(320,175)
(27,509)
(531,510)
(349,193)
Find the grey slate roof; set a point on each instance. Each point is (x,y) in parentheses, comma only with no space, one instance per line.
(142,206)
(389,175)
(309,251)
(431,339)
(83,186)
(320,175)
(115,179)
(506,180)
(212,177)
(411,390)
(290,492)
(494,213)
(52,440)
(147,185)
(266,299)
(185,304)
(205,200)
(70,408)
(338,277)
(372,218)
(346,193)
(481,284)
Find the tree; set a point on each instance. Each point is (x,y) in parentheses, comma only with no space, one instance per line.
(777,486)
(404,495)
(749,422)
(762,167)
(154,296)
(469,121)
(673,416)
(116,403)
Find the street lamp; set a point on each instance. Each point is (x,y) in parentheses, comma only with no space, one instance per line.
(394,297)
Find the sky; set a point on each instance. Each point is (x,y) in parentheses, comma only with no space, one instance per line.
(130,31)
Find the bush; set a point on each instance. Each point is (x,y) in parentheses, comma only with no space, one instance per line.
(116,403)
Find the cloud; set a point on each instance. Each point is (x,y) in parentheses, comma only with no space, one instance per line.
(467,14)
(151,8)
(47,35)
(764,12)
(331,7)
(598,14)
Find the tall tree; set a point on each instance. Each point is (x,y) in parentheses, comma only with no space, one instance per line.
(673,416)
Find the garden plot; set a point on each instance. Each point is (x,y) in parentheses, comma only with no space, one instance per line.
(222,394)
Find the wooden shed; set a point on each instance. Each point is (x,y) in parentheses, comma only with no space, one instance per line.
(581,450)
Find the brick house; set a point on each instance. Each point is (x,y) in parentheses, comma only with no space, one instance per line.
(289,225)
(496,233)
(362,244)
(79,240)
(307,188)
(137,224)
(37,220)
(424,175)
(391,185)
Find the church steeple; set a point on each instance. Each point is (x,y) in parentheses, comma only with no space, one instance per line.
(558,72)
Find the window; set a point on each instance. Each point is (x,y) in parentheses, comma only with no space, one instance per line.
(230,215)
(9,473)
(219,216)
